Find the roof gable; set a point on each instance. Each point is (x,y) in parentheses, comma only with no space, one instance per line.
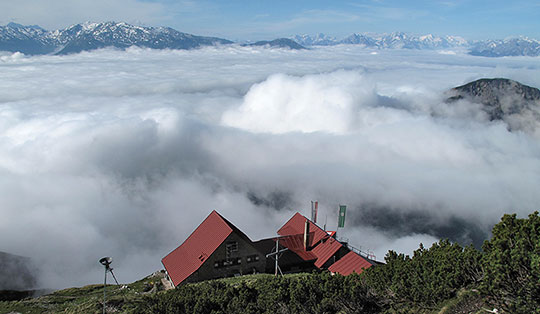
(296,226)
(190,255)
(324,246)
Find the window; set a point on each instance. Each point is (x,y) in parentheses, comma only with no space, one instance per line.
(252,258)
(227,262)
(232,247)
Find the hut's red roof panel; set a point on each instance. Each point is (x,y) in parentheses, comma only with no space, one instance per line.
(296,226)
(351,262)
(325,250)
(190,255)
(295,243)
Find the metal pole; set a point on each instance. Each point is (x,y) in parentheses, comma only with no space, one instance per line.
(277,252)
(104,288)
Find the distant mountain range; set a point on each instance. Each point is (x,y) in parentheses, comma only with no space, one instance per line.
(89,36)
(389,41)
(520,46)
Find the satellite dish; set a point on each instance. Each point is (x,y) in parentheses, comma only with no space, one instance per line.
(106,261)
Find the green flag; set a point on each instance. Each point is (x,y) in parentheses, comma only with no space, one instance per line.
(341,219)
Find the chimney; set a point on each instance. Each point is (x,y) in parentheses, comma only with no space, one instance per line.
(306,235)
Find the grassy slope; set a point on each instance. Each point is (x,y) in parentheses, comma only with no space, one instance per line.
(89,299)
(86,299)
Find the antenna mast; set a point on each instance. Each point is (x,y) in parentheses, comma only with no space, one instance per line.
(275,255)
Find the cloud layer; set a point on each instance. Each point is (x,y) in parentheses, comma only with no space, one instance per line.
(125,153)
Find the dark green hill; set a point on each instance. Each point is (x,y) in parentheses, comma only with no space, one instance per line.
(500,97)
(279,43)
(16,272)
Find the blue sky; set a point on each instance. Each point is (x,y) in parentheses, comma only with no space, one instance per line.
(471,19)
(241,19)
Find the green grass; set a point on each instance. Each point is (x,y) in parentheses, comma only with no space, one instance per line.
(252,278)
(87,299)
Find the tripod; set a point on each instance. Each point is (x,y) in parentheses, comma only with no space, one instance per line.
(106,261)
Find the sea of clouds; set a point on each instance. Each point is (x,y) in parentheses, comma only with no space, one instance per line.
(124,153)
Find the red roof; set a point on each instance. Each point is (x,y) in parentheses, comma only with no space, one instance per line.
(296,226)
(326,250)
(190,255)
(293,237)
(295,243)
(351,262)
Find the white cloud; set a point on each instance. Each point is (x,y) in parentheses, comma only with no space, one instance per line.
(323,102)
(124,153)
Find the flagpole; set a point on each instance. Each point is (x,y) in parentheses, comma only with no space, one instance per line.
(337,228)
(314,211)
